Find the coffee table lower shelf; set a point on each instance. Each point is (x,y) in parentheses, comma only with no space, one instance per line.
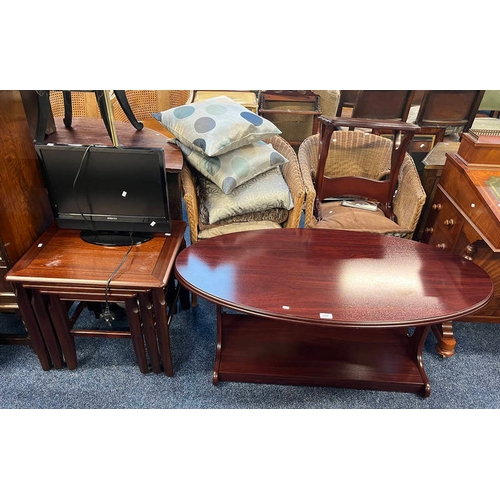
(262,350)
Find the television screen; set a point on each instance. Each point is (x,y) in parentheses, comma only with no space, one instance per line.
(115,195)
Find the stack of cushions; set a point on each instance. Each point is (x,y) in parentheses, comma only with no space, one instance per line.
(239,175)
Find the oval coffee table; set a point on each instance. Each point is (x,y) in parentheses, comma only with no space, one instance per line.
(330,308)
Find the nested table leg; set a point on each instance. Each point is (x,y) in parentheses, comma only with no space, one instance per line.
(39,303)
(136,333)
(30,320)
(146,309)
(162,329)
(60,320)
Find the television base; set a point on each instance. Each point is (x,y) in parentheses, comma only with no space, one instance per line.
(115,238)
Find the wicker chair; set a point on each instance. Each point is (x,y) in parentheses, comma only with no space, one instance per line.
(353,155)
(291,174)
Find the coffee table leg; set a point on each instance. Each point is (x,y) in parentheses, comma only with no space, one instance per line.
(215,375)
(136,333)
(60,320)
(30,320)
(417,342)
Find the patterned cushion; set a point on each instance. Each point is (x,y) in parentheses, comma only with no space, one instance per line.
(236,228)
(332,215)
(278,215)
(235,167)
(267,190)
(216,126)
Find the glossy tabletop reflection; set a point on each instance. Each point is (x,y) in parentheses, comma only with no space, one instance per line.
(333,277)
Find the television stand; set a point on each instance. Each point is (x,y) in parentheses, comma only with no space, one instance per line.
(115,238)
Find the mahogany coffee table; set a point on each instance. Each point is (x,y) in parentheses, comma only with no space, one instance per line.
(329,308)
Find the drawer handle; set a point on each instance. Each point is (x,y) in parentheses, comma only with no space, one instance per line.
(429,230)
(422,146)
(437,206)
(441,246)
(449,222)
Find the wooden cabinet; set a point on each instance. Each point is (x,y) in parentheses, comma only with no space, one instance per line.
(464,216)
(25,211)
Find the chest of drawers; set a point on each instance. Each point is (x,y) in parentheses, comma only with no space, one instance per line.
(464,217)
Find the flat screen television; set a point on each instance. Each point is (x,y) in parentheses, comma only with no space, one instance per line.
(114,195)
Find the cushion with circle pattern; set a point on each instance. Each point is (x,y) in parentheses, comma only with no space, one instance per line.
(235,167)
(216,126)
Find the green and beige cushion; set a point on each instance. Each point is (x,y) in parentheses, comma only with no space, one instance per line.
(266,191)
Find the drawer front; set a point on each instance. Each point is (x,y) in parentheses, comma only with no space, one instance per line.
(421,145)
(444,222)
(468,200)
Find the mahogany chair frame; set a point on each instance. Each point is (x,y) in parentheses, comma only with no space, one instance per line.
(380,190)
(441,109)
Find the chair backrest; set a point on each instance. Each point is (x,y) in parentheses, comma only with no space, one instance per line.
(347,99)
(383,104)
(361,164)
(449,108)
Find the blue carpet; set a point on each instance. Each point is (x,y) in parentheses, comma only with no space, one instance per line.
(108,377)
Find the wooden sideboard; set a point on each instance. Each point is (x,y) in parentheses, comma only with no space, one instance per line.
(465,219)
(25,211)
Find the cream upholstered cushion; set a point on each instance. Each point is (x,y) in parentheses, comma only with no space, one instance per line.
(236,228)
(216,126)
(267,190)
(332,215)
(235,167)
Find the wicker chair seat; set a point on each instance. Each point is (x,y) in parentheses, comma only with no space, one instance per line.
(361,154)
(257,220)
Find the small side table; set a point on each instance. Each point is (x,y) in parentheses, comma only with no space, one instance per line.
(60,269)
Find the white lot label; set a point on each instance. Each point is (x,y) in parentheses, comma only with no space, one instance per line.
(326,315)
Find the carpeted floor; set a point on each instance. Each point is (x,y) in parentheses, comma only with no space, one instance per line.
(108,377)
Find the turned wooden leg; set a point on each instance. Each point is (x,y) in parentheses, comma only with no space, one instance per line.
(445,340)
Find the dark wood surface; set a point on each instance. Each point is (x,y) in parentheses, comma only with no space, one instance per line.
(60,269)
(361,279)
(93,131)
(464,219)
(324,307)
(24,205)
(61,257)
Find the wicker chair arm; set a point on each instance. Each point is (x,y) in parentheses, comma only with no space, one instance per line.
(293,178)
(308,158)
(410,196)
(190,200)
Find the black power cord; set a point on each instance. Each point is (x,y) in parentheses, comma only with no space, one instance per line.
(107,315)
